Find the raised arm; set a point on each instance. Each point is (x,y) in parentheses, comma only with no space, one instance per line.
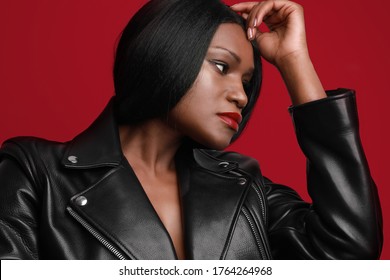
(284,45)
(344,219)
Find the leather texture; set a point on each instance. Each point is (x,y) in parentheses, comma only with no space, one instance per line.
(82,200)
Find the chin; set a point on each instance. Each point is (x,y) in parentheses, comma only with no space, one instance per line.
(220,143)
(212,138)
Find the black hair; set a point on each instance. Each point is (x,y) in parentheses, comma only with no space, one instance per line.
(160,54)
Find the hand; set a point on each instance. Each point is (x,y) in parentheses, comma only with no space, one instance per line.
(286,38)
(284,45)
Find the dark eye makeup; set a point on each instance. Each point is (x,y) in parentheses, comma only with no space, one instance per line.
(223,68)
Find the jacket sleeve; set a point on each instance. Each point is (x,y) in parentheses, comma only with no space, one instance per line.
(18,205)
(344,220)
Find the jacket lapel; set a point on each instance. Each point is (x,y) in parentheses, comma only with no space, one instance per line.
(118,207)
(211,202)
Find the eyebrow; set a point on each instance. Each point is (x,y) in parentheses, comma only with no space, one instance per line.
(234,55)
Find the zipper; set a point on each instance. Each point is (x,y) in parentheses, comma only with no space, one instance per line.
(262,232)
(96,234)
(260,194)
(255,233)
(261,199)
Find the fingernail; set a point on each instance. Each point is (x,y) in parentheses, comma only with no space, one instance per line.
(250,33)
(255,22)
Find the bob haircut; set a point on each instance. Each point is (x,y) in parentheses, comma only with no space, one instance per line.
(160,54)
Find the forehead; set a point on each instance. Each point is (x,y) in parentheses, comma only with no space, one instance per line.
(231,36)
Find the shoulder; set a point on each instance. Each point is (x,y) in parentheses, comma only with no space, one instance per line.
(29,144)
(29,151)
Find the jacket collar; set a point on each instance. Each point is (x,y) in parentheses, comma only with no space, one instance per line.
(106,148)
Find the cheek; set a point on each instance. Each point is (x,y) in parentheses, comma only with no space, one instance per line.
(206,87)
(195,115)
(202,100)
(190,115)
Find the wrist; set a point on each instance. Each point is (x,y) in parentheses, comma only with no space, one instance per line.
(300,78)
(294,60)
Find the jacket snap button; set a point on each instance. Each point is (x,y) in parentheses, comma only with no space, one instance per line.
(72,159)
(242,181)
(81,201)
(224,164)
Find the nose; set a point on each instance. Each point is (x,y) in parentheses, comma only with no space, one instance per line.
(238,96)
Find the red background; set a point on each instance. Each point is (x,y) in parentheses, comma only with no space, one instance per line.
(55,77)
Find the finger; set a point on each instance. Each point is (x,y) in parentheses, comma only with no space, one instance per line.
(258,12)
(261,12)
(253,20)
(245,7)
(245,15)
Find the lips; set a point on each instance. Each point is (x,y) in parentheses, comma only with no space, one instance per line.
(232,119)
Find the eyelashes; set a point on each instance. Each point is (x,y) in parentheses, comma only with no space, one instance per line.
(221,66)
(223,69)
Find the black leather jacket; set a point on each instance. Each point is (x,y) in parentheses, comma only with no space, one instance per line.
(81,199)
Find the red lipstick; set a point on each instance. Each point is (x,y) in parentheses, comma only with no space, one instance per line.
(232,119)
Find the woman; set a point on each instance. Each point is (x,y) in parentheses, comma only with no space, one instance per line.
(147,179)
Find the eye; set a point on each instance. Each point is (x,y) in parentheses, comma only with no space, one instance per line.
(221,66)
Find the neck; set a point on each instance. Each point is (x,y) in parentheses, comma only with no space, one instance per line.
(151,144)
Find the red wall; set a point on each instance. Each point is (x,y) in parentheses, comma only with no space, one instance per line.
(55,77)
